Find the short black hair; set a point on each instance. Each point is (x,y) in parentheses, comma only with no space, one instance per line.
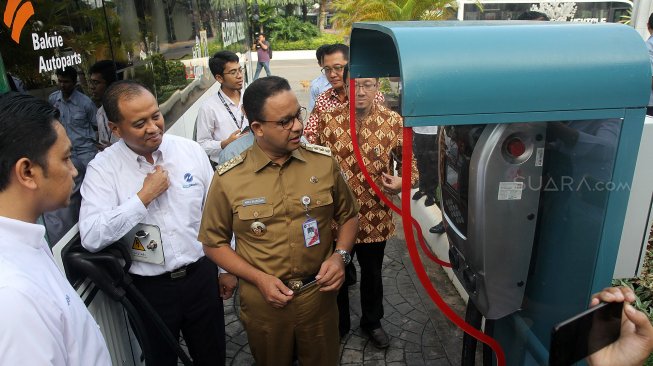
(26,131)
(258,92)
(120,90)
(335,48)
(68,72)
(319,53)
(650,21)
(108,69)
(217,62)
(533,15)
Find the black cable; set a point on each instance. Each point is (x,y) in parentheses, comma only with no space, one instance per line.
(139,329)
(473,317)
(134,294)
(488,358)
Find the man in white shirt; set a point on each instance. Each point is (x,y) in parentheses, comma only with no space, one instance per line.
(320,84)
(151,178)
(42,319)
(220,119)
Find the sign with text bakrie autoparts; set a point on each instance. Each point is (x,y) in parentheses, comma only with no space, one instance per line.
(49,41)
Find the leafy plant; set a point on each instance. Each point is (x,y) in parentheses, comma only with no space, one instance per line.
(307,44)
(349,11)
(291,29)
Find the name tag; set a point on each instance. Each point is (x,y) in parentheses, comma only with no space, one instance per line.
(254,201)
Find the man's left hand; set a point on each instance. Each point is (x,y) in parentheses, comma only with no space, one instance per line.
(227,284)
(391,183)
(332,273)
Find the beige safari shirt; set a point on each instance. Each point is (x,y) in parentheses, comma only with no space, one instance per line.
(259,190)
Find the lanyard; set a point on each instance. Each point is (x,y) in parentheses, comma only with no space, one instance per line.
(242,117)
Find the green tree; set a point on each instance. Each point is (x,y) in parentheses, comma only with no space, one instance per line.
(348,12)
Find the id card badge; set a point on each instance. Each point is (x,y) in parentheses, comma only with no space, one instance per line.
(144,244)
(311,233)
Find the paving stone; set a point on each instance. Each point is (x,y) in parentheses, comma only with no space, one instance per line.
(404,308)
(440,362)
(413,347)
(351,356)
(392,330)
(395,299)
(414,359)
(356,342)
(240,339)
(413,326)
(418,316)
(433,353)
(373,353)
(374,363)
(394,355)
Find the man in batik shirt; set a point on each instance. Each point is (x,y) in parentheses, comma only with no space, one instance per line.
(379,131)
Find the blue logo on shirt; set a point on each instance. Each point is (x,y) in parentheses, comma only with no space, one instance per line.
(188,178)
(68,300)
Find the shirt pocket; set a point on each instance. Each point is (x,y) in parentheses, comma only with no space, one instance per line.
(320,207)
(248,215)
(80,120)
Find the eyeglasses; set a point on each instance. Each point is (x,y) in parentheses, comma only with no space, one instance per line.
(368,87)
(337,68)
(235,72)
(287,123)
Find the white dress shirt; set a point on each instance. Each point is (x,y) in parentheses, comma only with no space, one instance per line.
(215,123)
(42,319)
(111,207)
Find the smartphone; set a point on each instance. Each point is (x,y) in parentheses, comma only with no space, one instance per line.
(580,336)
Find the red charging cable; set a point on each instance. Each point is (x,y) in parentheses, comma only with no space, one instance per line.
(407,218)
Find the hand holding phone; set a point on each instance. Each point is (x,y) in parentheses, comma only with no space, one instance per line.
(635,343)
(582,335)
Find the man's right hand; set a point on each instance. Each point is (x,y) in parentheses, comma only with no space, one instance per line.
(154,185)
(635,342)
(235,135)
(274,291)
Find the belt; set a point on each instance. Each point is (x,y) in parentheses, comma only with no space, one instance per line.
(301,284)
(180,272)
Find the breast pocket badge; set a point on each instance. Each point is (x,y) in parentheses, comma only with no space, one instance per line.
(144,244)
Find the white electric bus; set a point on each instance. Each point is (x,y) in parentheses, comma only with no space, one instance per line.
(591,11)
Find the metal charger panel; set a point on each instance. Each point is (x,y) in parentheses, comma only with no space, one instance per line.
(492,260)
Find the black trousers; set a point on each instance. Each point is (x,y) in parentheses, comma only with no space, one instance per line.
(370,260)
(192,305)
(425,149)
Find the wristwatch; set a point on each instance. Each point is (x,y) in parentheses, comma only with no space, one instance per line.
(346,257)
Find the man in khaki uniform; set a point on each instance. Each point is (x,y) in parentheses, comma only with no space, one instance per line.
(279,198)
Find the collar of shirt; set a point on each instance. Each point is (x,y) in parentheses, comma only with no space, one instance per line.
(260,159)
(140,159)
(19,232)
(332,94)
(74,98)
(228,100)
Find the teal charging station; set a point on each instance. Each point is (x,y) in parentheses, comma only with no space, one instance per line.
(573,97)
